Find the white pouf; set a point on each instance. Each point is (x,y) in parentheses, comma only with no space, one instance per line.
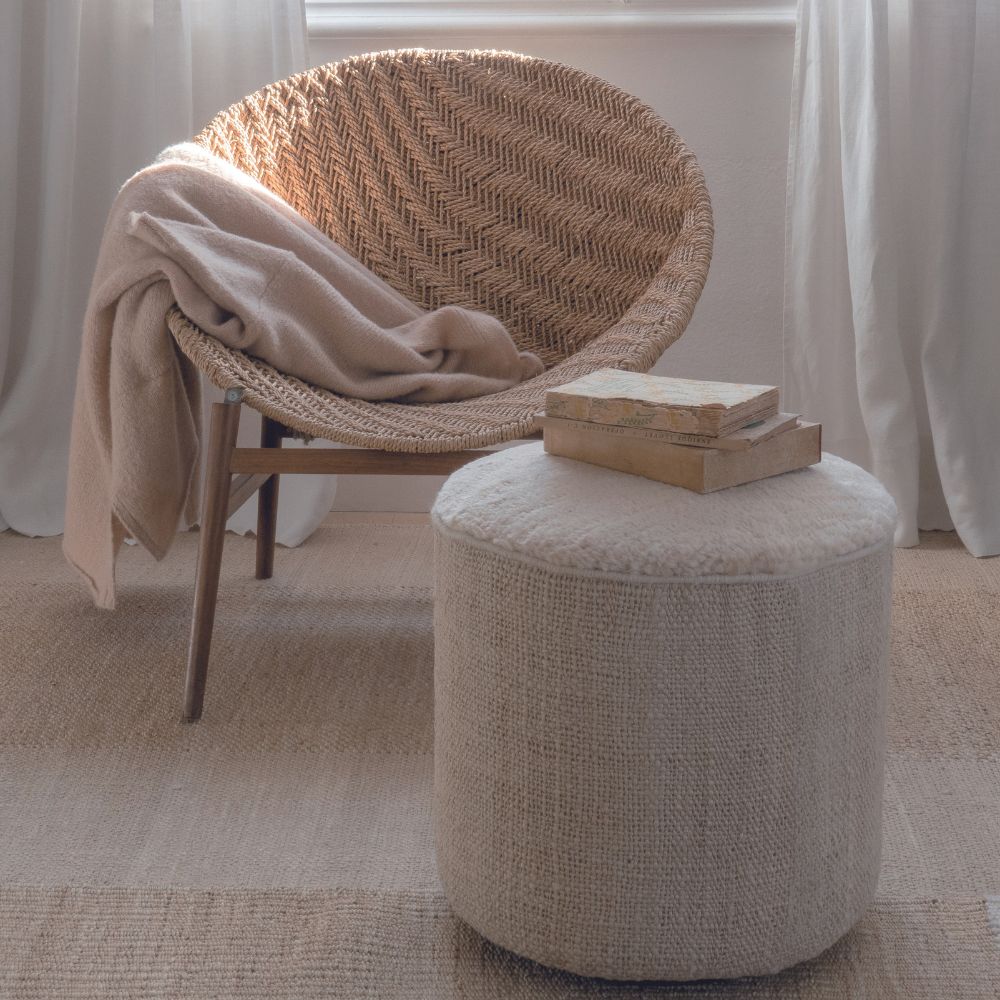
(659,716)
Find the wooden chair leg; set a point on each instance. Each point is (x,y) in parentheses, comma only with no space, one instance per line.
(271,434)
(215,507)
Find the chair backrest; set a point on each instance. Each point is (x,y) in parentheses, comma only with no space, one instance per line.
(496,181)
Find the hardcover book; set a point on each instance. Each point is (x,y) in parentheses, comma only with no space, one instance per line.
(747,437)
(703,470)
(685,406)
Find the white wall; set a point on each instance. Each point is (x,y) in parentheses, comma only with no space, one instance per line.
(725,87)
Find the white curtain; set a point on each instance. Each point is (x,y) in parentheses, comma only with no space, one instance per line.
(892,278)
(90,91)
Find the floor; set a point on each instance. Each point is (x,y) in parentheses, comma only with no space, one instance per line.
(281,847)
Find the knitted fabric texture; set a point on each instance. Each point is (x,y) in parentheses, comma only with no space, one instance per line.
(647,774)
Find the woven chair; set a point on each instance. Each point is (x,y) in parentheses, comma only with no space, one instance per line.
(520,187)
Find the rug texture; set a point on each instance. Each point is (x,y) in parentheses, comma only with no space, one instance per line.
(281,847)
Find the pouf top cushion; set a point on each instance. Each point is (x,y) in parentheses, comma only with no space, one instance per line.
(568,514)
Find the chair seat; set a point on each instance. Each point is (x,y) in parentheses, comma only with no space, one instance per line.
(531,191)
(407,427)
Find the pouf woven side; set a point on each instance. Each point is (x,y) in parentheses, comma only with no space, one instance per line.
(646,774)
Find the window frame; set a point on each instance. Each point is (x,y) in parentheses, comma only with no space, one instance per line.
(371,18)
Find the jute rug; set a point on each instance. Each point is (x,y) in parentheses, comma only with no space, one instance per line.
(281,848)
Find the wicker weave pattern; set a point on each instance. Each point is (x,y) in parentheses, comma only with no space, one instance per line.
(490,180)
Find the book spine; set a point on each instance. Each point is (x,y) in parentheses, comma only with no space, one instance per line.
(703,470)
(632,413)
(673,464)
(795,449)
(645,433)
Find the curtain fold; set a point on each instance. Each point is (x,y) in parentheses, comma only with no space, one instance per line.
(92,91)
(892,297)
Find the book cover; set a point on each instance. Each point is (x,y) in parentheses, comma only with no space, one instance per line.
(740,440)
(686,406)
(703,470)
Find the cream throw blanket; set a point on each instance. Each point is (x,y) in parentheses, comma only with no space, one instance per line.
(249,270)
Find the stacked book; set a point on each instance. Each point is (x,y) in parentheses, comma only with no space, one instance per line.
(704,436)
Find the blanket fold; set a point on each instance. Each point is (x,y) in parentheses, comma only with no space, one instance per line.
(248,269)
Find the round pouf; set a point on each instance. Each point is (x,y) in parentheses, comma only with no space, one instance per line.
(659,716)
